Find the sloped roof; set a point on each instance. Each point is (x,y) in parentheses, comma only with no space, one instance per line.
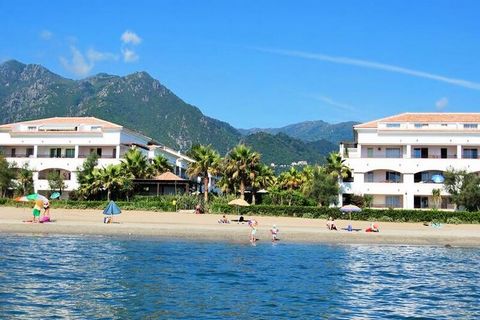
(425,118)
(65,121)
(168,176)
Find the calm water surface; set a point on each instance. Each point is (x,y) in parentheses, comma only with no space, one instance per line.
(56,277)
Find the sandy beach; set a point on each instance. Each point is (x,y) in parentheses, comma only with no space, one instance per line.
(206,227)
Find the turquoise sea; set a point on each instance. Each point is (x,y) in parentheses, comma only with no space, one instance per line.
(80,277)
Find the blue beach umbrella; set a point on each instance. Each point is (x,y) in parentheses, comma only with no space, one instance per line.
(438,178)
(55,195)
(112,209)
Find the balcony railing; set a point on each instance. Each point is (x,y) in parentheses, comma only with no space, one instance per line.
(19,155)
(450,156)
(108,156)
(384,205)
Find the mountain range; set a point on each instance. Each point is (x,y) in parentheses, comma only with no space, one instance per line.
(140,102)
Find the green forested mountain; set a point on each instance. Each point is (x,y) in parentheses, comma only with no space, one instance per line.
(136,101)
(312,131)
(139,102)
(283,149)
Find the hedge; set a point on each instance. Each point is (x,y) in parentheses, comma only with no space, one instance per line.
(166,204)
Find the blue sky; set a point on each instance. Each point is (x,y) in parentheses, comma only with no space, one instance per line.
(265,63)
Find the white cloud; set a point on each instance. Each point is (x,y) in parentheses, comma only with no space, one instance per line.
(129,55)
(129,37)
(78,64)
(94,55)
(374,65)
(441,103)
(46,35)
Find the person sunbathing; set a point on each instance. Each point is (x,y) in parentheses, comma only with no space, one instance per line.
(373,228)
(223,220)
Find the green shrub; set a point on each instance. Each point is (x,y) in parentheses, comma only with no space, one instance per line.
(454,220)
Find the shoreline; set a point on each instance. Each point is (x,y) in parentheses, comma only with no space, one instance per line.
(172,225)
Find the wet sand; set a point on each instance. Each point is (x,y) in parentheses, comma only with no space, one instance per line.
(205,227)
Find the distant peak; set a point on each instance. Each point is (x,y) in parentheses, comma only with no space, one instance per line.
(13,64)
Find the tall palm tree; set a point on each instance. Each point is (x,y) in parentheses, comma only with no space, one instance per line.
(136,163)
(207,162)
(240,163)
(25,179)
(336,166)
(291,179)
(160,165)
(112,178)
(263,178)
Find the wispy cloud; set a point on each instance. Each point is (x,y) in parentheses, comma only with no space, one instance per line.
(441,103)
(46,35)
(129,40)
(80,64)
(333,103)
(129,55)
(373,65)
(130,37)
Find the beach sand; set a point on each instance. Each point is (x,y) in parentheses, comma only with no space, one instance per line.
(205,227)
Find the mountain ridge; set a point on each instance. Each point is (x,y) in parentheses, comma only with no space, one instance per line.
(137,101)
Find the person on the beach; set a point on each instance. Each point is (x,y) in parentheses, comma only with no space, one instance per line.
(37,210)
(373,228)
(46,212)
(331,224)
(253,224)
(198,209)
(223,220)
(274,231)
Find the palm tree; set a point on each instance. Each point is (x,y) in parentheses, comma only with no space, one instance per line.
(25,179)
(436,198)
(112,178)
(207,162)
(160,165)
(240,163)
(263,178)
(336,166)
(136,163)
(291,179)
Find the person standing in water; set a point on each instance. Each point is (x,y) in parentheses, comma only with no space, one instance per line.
(253,224)
(274,231)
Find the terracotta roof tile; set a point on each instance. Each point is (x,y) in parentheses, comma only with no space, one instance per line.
(425,118)
(65,121)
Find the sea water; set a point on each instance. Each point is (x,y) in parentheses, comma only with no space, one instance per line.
(93,277)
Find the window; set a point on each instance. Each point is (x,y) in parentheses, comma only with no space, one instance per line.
(421,125)
(470,153)
(29,152)
(392,176)
(114,154)
(470,126)
(369,152)
(55,152)
(392,153)
(420,202)
(13,152)
(369,177)
(420,152)
(70,153)
(444,124)
(393,125)
(32,128)
(392,201)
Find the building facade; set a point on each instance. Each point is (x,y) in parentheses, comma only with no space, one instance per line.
(400,160)
(63,143)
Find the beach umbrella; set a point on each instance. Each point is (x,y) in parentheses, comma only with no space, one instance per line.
(438,178)
(55,195)
(31,197)
(349,208)
(239,203)
(111,209)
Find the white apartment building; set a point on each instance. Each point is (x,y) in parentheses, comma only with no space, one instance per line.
(63,143)
(400,159)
